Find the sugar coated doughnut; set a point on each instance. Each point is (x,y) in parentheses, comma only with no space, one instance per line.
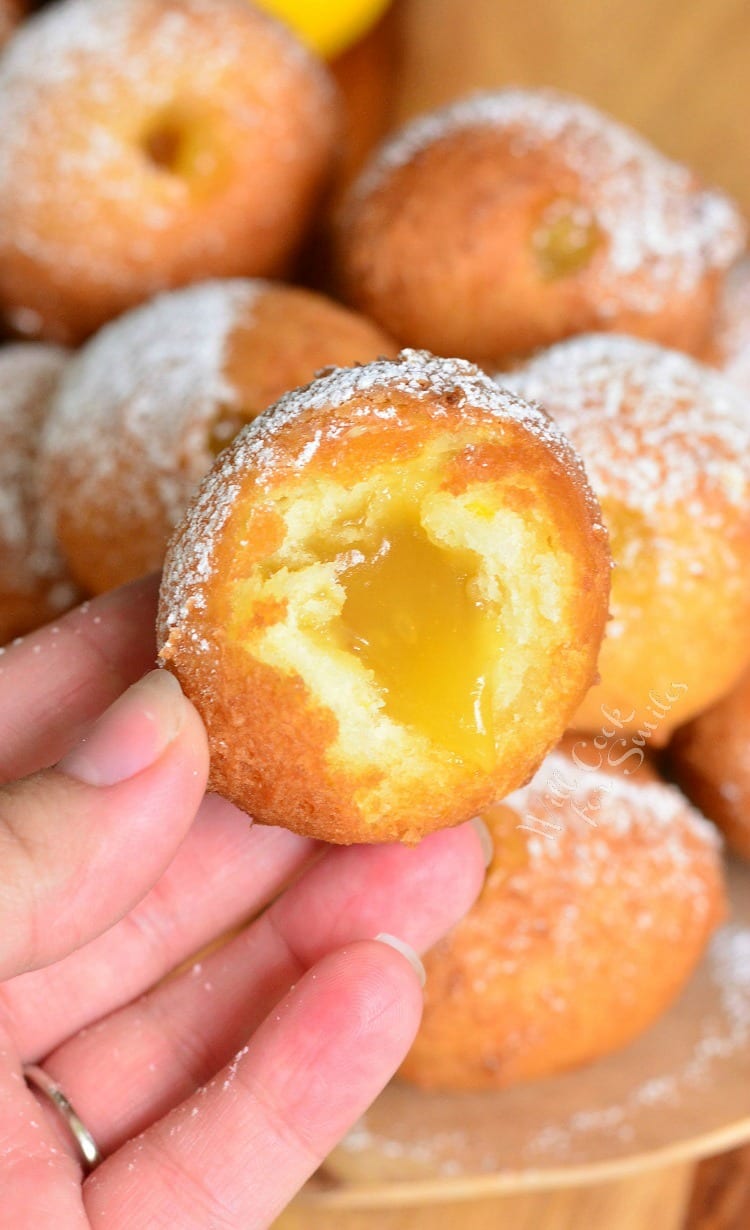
(386,600)
(190,140)
(34,583)
(152,399)
(710,758)
(666,445)
(508,221)
(730,345)
(604,888)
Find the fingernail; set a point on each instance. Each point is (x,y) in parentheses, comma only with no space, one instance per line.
(407,951)
(485,839)
(131,735)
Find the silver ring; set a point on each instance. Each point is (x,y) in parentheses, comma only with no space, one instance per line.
(37,1078)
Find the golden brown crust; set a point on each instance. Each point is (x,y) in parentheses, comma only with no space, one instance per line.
(129,440)
(99,218)
(292,335)
(710,758)
(592,918)
(437,239)
(273,756)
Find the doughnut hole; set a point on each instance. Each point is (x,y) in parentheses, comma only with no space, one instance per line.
(507,221)
(414,617)
(524,279)
(210,359)
(583,934)
(666,444)
(191,141)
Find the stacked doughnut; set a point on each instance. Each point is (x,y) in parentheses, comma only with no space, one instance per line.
(387,579)
(508,221)
(666,445)
(191,139)
(604,888)
(168,385)
(386,600)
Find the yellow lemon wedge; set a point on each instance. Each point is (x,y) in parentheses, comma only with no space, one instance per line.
(326,26)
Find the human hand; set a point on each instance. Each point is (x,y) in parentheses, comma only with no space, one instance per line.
(213,1095)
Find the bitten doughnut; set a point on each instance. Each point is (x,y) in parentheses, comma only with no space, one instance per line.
(34,583)
(156,395)
(508,221)
(386,601)
(710,757)
(730,344)
(666,445)
(604,888)
(191,139)
(11,12)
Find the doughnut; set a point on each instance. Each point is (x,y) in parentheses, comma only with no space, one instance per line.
(386,601)
(710,758)
(730,344)
(510,220)
(191,140)
(11,12)
(604,889)
(153,398)
(666,445)
(34,584)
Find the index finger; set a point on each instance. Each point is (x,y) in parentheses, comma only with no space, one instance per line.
(237,1151)
(57,680)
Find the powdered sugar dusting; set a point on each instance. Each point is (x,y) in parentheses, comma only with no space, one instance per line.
(655,428)
(134,409)
(585,829)
(415,373)
(29,557)
(565,795)
(663,233)
(105,68)
(261,447)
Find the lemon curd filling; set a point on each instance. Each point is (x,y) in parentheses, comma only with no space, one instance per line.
(564,240)
(413,618)
(412,614)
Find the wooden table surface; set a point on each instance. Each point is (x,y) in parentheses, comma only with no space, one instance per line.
(678,71)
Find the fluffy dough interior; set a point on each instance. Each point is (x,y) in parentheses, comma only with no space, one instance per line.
(411,612)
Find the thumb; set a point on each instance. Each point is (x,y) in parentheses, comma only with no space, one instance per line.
(81,843)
